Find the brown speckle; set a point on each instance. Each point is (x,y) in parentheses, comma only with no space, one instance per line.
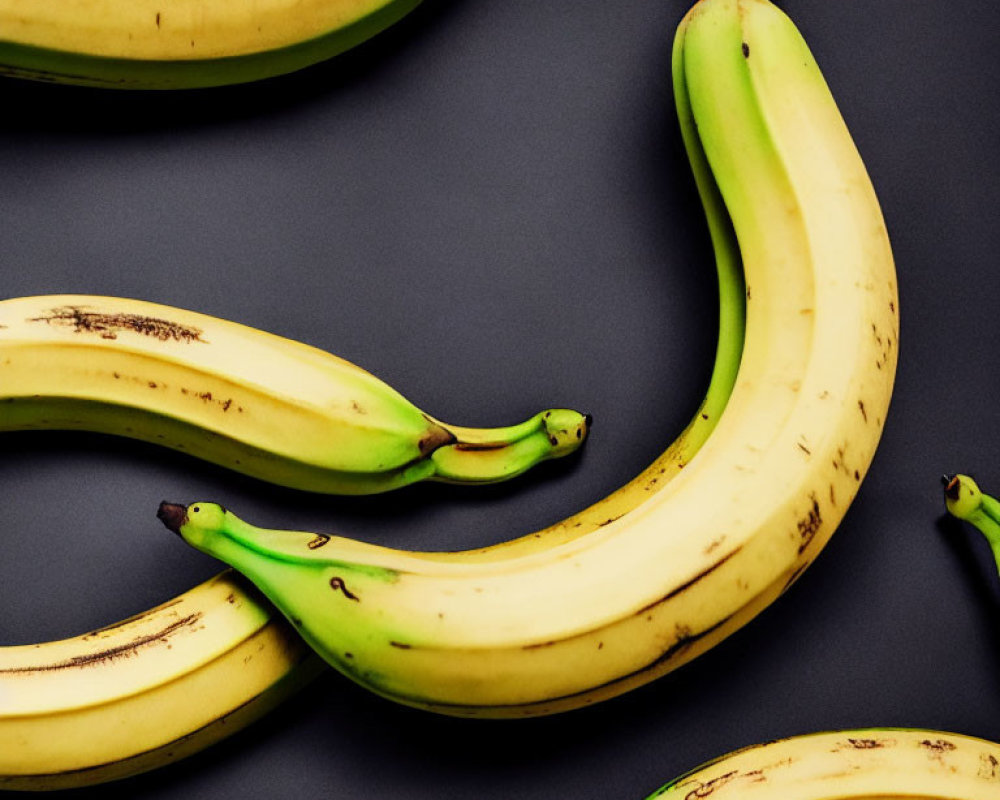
(865,744)
(110,325)
(937,748)
(338,585)
(318,541)
(861,408)
(809,525)
(989,767)
(706,789)
(746,50)
(113,653)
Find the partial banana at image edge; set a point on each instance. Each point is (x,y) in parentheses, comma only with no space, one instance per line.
(185,45)
(858,764)
(147,691)
(259,404)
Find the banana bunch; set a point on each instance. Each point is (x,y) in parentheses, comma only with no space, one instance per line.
(585,613)
(171,680)
(867,764)
(257,403)
(628,589)
(148,44)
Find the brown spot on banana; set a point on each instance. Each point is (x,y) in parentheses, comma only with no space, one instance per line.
(338,585)
(868,744)
(809,525)
(937,748)
(161,636)
(989,767)
(109,325)
(706,789)
(318,541)
(437,436)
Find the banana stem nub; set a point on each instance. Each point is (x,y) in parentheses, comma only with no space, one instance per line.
(966,501)
(488,455)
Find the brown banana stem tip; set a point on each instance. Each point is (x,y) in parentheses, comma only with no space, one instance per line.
(172,515)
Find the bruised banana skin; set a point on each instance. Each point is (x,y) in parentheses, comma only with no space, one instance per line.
(148,44)
(260,404)
(580,619)
(141,690)
(861,764)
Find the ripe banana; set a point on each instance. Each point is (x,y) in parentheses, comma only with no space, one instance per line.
(582,618)
(146,691)
(964,500)
(864,764)
(259,404)
(173,701)
(147,44)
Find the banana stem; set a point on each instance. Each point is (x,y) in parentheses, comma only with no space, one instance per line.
(966,501)
(487,455)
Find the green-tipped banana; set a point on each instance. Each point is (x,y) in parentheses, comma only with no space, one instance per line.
(861,764)
(148,44)
(256,403)
(964,500)
(577,618)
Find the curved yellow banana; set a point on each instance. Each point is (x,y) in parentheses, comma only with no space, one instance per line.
(257,403)
(148,44)
(861,764)
(580,619)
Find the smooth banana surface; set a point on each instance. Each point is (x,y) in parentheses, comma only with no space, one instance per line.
(578,619)
(257,403)
(68,688)
(148,44)
(863,764)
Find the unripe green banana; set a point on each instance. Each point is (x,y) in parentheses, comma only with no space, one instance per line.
(965,501)
(148,44)
(251,401)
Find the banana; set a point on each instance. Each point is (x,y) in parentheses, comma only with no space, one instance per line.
(965,501)
(146,691)
(583,618)
(175,701)
(862,764)
(257,403)
(146,44)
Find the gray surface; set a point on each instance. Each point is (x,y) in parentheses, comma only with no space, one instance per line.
(488,207)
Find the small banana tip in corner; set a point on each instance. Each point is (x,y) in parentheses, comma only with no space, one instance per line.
(172,515)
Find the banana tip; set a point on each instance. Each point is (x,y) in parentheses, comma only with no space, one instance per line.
(172,515)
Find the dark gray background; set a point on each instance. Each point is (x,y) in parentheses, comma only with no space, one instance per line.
(488,206)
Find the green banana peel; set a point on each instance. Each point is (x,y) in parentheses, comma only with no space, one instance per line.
(966,501)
